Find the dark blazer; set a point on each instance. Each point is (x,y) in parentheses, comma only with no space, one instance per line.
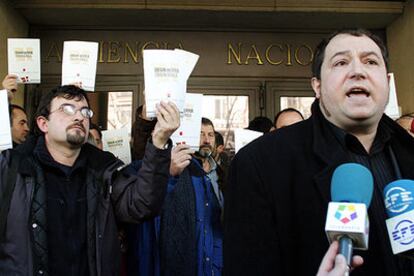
(277,198)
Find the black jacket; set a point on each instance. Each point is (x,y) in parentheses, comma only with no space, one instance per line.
(277,199)
(111,194)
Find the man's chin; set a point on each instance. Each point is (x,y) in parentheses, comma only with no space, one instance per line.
(204,153)
(76,141)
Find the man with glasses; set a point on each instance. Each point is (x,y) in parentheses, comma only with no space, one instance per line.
(60,196)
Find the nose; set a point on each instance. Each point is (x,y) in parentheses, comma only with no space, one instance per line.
(357,70)
(78,116)
(26,128)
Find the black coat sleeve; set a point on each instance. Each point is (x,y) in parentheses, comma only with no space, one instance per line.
(139,197)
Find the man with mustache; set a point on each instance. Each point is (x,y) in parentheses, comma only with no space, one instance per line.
(61,196)
(279,185)
(191,230)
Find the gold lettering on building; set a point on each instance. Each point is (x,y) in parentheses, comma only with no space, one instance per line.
(150,45)
(289,55)
(231,52)
(268,55)
(134,53)
(53,53)
(274,54)
(310,55)
(115,51)
(100,52)
(254,54)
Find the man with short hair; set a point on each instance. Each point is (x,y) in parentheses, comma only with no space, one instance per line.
(279,185)
(287,117)
(61,196)
(191,231)
(18,124)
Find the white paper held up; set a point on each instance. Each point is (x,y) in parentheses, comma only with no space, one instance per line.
(24,59)
(79,64)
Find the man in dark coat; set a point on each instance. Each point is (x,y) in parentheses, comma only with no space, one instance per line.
(279,185)
(60,196)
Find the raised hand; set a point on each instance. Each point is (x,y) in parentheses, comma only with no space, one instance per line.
(10,84)
(180,159)
(168,120)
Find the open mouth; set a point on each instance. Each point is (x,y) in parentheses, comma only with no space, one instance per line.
(357,92)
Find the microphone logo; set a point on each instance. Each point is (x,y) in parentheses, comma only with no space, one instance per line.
(403,232)
(398,199)
(346,213)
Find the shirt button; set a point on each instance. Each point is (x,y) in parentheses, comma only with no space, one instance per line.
(207,259)
(207,204)
(34,225)
(40,272)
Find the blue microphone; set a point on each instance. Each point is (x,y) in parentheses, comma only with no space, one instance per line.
(399,204)
(347,220)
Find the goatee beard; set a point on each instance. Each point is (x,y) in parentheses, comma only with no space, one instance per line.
(76,140)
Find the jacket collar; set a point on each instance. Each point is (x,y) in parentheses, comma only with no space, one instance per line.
(94,158)
(326,148)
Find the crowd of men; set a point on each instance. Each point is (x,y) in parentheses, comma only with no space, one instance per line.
(67,207)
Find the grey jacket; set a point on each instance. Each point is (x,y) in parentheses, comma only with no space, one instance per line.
(112,195)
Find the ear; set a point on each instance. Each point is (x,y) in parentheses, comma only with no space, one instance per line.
(316,86)
(42,124)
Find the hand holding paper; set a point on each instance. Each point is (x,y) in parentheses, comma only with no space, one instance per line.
(10,84)
(180,159)
(168,120)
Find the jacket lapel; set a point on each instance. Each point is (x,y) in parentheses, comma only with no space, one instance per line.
(328,150)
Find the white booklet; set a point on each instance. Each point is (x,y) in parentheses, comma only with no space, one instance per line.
(116,141)
(5,131)
(24,59)
(190,125)
(392,109)
(79,64)
(244,136)
(165,74)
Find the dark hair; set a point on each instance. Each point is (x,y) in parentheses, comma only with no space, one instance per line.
(320,49)
(12,107)
(97,128)
(68,92)
(208,122)
(260,123)
(289,109)
(219,139)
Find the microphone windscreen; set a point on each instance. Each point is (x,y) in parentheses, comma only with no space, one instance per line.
(352,182)
(399,197)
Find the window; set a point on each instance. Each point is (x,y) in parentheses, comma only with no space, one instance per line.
(228,113)
(303,104)
(119,110)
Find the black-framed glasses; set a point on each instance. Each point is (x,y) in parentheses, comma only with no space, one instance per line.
(71,110)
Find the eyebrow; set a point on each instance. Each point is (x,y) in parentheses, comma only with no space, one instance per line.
(347,52)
